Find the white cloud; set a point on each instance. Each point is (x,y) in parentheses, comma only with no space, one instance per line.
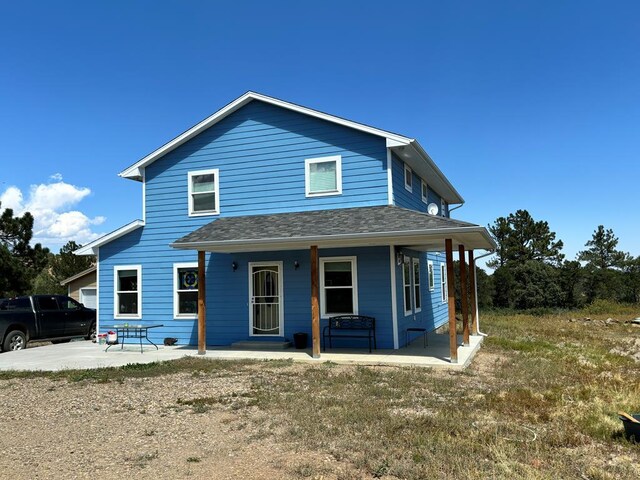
(12,198)
(55,222)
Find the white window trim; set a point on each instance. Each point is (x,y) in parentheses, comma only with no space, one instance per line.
(354,278)
(190,175)
(424,191)
(116,307)
(407,261)
(431,278)
(176,298)
(407,168)
(443,283)
(414,262)
(307,177)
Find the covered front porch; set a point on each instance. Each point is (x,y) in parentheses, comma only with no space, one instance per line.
(394,228)
(84,355)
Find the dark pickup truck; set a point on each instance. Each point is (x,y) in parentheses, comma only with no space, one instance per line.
(44,317)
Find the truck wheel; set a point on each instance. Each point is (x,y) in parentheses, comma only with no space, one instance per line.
(92,333)
(15,340)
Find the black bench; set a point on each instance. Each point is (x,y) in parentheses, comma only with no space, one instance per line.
(350,326)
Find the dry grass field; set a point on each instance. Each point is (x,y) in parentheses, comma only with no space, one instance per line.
(539,401)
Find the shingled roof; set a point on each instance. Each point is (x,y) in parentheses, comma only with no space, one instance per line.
(379,225)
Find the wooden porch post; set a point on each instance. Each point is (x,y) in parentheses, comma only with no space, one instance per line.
(202,306)
(315,304)
(453,338)
(464,295)
(474,300)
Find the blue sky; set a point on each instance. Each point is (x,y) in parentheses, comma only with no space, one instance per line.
(532,105)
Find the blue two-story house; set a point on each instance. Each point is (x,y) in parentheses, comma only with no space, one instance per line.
(267,218)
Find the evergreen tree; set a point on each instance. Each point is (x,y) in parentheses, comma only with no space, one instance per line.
(19,262)
(520,239)
(66,264)
(528,255)
(60,267)
(601,250)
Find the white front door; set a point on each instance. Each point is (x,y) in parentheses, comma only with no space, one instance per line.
(265,299)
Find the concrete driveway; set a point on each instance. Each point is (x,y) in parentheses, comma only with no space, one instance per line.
(87,355)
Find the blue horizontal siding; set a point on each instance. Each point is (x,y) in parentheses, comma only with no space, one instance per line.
(434,312)
(413,199)
(228,290)
(260,151)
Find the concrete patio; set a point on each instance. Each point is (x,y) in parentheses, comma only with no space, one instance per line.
(87,355)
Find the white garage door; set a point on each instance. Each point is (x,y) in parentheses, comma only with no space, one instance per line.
(88,297)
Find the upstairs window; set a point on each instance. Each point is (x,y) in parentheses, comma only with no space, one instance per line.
(443,207)
(425,192)
(185,300)
(128,293)
(323,176)
(408,178)
(203,193)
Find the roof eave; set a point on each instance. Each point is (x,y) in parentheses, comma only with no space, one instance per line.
(370,238)
(134,171)
(78,275)
(92,248)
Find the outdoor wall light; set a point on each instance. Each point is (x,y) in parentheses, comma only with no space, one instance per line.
(234,266)
(399,258)
(296,264)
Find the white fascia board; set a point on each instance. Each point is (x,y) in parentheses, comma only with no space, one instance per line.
(135,172)
(395,143)
(416,237)
(92,248)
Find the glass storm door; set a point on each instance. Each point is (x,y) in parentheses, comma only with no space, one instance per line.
(265,298)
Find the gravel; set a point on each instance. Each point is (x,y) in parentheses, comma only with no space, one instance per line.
(145,428)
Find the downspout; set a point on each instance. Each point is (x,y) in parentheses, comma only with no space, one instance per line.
(490,252)
(455,208)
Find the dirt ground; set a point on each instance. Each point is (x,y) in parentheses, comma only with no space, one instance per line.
(142,427)
(538,402)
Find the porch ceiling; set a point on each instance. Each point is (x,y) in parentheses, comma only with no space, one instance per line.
(347,227)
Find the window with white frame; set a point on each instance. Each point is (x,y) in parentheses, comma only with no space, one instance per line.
(408,178)
(185,290)
(443,207)
(425,191)
(127,298)
(323,176)
(338,286)
(431,276)
(443,282)
(406,283)
(204,196)
(417,298)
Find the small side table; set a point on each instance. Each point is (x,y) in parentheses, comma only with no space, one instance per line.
(417,329)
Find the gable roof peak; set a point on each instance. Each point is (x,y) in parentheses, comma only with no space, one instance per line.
(134,171)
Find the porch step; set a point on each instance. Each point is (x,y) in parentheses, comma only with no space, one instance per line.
(261,345)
